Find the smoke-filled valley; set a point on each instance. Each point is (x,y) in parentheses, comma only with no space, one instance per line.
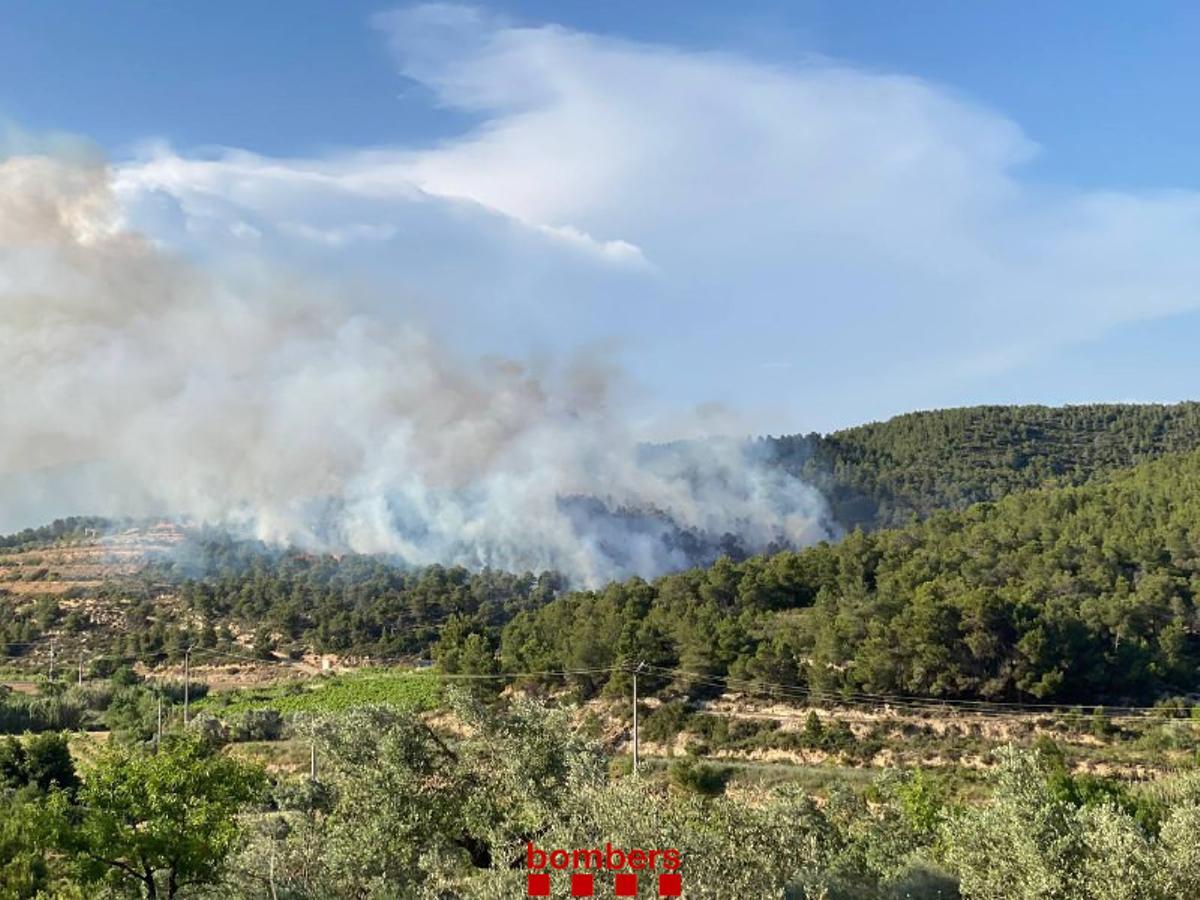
(235,395)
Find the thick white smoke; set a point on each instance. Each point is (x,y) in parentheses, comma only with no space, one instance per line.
(267,405)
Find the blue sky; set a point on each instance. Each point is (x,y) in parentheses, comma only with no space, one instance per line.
(1101,86)
(774,216)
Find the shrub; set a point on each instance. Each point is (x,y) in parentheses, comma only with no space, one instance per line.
(664,723)
(257,725)
(692,776)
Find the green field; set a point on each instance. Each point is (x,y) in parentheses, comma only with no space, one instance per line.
(332,693)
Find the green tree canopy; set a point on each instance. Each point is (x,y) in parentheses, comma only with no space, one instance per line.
(162,820)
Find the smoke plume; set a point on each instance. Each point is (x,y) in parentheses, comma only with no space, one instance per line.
(139,383)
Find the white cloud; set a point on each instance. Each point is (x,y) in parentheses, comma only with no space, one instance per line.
(710,211)
(815,193)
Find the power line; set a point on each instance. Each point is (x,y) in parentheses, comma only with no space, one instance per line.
(794,692)
(797,693)
(229,654)
(982,708)
(549,674)
(433,672)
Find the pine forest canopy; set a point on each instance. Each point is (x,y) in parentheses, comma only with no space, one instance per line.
(1081,591)
(883,474)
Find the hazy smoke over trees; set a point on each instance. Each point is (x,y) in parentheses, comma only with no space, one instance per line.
(137,382)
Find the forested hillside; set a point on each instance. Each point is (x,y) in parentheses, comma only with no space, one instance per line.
(210,590)
(74,527)
(1070,594)
(1076,593)
(883,474)
(831,657)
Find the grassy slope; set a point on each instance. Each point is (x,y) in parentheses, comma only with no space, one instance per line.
(331,694)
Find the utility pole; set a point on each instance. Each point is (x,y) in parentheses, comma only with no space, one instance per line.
(312,762)
(187,657)
(51,659)
(636,759)
(271,873)
(158,737)
(81,670)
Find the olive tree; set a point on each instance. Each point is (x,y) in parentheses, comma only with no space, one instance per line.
(161,821)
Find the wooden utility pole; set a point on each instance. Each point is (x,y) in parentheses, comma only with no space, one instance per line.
(271,873)
(636,759)
(312,761)
(51,659)
(81,670)
(187,670)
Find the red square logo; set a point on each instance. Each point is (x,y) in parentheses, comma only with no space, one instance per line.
(538,884)
(626,885)
(670,884)
(583,884)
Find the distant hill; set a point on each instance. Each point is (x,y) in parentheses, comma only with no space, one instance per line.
(69,529)
(1071,594)
(1081,581)
(884,474)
